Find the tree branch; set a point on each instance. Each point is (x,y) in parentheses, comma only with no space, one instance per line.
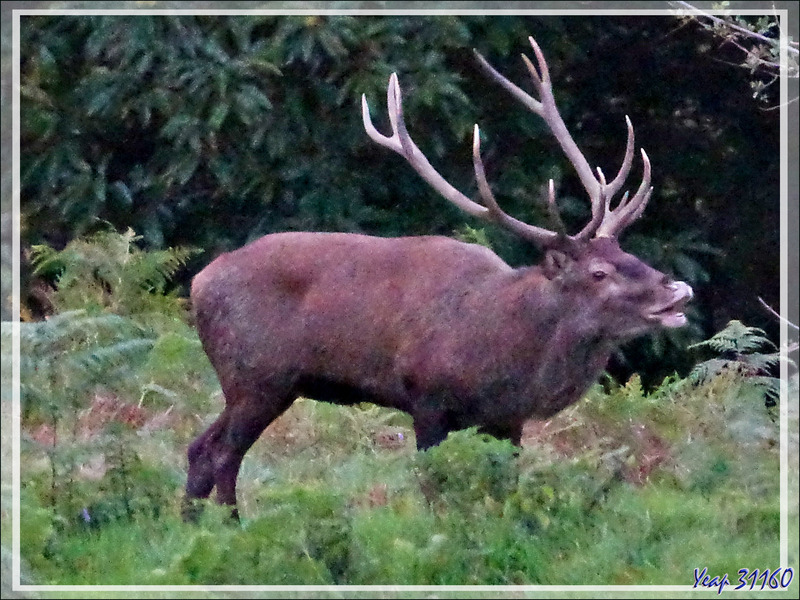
(736,27)
(775,313)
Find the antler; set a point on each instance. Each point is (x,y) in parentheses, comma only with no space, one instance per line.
(604,222)
(401,142)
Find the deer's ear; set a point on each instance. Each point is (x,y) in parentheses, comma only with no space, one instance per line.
(555,262)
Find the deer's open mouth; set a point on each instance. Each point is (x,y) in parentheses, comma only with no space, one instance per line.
(670,317)
(672,314)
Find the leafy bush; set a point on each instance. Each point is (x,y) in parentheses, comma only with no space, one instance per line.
(102,373)
(218,128)
(741,353)
(107,271)
(469,468)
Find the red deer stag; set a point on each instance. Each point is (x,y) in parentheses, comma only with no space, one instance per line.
(443,330)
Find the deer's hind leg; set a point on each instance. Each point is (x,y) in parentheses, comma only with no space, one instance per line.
(215,457)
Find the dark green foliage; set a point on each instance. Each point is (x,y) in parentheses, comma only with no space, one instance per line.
(219,128)
(468,468)
(208,131)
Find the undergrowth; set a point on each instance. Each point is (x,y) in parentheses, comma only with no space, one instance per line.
(626,487)
(622,489)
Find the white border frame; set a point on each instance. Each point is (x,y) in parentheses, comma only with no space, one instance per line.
(15,245)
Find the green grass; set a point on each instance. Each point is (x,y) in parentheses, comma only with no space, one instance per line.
(622,488)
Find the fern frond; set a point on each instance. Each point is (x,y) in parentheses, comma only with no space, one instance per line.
(45,260)
(45,344)
(770,386)
(63,357)
(741,348)
(74,328)
(736,338)
(706,371)
(100,360)
(108,270)
(153,270)
(762,363)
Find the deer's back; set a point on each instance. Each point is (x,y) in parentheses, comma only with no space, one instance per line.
(343,306)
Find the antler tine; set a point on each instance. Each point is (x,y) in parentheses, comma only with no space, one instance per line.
(532,103)
(627,212)
(552,209)
(627,161)
(373,133)
(538,235)
(541,77)
(401,142)
(394,101)
(604,222)
(480,176)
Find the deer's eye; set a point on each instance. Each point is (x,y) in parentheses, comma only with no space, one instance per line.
(599,275)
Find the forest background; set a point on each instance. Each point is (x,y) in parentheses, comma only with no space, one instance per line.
(207,132)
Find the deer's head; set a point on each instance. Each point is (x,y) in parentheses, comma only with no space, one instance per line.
(631,295)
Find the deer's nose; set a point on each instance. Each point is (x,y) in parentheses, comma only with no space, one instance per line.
(681,288)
